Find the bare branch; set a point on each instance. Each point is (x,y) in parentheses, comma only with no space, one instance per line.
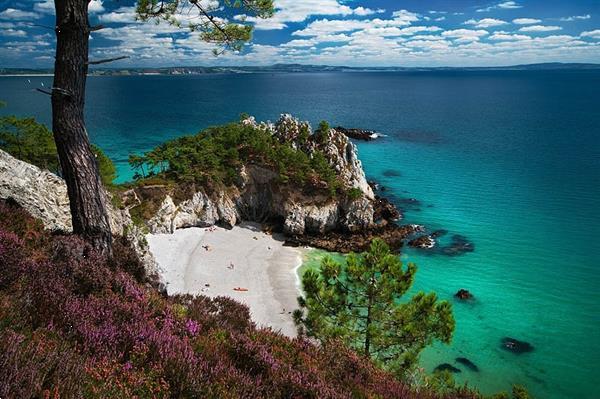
(55,89)
(107,60)
(97,27)
(44,91)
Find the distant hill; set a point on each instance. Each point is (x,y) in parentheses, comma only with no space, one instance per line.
(295,68)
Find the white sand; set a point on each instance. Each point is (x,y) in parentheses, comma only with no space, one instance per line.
(243,257)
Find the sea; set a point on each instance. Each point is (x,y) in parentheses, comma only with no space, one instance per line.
(510,160)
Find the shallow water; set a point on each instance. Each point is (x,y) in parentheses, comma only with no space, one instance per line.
(509,159)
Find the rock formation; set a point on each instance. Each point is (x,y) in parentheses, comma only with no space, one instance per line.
(344,222)
(463,295)
(259,197)
(467,363)
(515,346)
(40,192)
(44,196)
(358,134)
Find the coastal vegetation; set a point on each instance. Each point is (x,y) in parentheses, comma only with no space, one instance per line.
(74,323)
(88,202)
(32,142)
(214,157)
(361,303)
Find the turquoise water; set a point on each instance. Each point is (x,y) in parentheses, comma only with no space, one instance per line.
(509,159)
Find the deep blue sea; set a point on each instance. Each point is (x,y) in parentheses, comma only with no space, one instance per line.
(509,159)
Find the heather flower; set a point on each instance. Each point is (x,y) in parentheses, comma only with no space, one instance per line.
(73,324)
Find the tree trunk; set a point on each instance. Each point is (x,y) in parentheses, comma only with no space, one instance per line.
(78,164)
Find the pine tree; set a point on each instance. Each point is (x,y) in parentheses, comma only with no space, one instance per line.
(362,304)
(88,202)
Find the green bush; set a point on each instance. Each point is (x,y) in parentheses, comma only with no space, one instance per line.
(354,193)
(32,142)
(322,133)
(215,155)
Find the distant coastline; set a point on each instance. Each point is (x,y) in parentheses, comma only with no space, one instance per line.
(293,68)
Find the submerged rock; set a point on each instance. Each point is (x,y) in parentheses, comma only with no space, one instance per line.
(463,294)
(447,367)
(439,233)
(515,346)
(391,173)
(458,245)
(467,363)
(422,242)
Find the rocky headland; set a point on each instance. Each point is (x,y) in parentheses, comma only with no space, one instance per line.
(344,222)
(342,218)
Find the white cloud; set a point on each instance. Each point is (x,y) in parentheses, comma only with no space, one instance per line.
(485,23)
(18,15)
(122,15)
(404,16)
(526,21)
(505,5)
(95,6)
(44,6)
(13,32)
(539,28)
(594,34)
(47,6)
(326,27)
(295,11)
(576,17)
(506,37)
(464,35)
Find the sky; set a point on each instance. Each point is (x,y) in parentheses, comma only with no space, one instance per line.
(326,32)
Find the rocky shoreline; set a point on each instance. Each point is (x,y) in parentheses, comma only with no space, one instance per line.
(358,134)
(343,223)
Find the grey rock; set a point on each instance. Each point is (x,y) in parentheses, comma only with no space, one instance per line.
(44,196)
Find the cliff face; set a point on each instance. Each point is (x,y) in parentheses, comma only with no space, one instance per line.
(259,197)
(44,196)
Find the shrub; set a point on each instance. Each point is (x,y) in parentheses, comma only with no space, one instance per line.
(214,157)
(32,142)
(354,193)
(322,133)
(73,324)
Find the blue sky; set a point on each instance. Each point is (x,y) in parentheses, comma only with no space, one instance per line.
(333,32)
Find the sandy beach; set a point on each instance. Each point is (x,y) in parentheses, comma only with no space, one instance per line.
(243,263)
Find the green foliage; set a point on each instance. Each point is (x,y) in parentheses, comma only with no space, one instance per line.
(214,157)
(304,134)
(361,303)
(108,171)
(354,193)
(518,392)
(29,141)
(322,133)
(32,142)
(208,21)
